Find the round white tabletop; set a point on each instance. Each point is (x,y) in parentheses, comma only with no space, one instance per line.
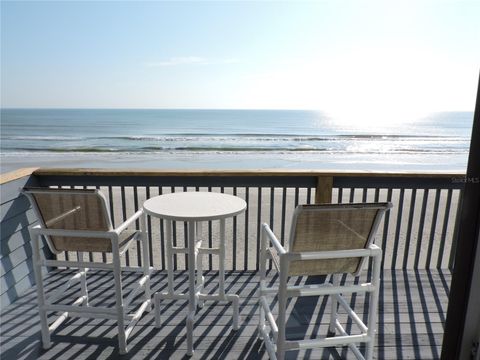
(194,206)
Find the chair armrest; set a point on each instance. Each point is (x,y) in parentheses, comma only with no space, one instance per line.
(71,233)
(333,254)
(128,222)
(273,239)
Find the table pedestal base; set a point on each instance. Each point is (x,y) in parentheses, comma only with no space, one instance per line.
(195,296)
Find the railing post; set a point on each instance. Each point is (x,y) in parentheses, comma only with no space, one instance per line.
(323,193)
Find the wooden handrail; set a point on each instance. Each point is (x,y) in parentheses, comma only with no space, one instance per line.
(248,172)
(16,174)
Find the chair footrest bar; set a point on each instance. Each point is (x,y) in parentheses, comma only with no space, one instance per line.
(136,269)
(328,290)
(326,342)
(136,316)
(60,319)
(351,313)
(352,347)
(269,318)
(65,314)
(268,343)
(295,288)
(217,297)
(172,296)
(134,292)
(179,250)
(79,312)
(76,265)
(59,292)
(78,309)
(125,248)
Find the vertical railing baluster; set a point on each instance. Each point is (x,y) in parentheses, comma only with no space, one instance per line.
(185,234)
(408,238)
(444,229)
(124,216)
(386,223)
(421,226)
(149,230)
(272,217)
(112,215)
(162,236)
(137,224)
(245,256)
(259,227)
(234,247)
(423,239)
(210,239)
(104,255)
(112,208)
(398,227)
(453,250)
(352,195)
(174,236)
(66,254)
(284,206)
(90,254)
(433,227)
(272,208)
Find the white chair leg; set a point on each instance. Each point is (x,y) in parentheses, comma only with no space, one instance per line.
(83,279)
(117,274)
(373,306)
(169,254)
(191,287)
(261,322)
(334,308)
(221,260)
(36,238)
(282,307)
(146,260)
(200,278)
(236,310)
(261,311)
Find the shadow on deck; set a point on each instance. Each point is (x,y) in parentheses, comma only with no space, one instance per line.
(412,310)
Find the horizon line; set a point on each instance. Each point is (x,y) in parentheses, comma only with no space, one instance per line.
(195,109)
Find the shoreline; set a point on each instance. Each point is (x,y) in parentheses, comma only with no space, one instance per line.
(218,161)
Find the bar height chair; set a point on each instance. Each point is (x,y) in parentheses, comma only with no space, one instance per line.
(78,221)
(330,239)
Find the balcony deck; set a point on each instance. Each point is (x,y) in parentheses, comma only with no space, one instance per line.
(412,312)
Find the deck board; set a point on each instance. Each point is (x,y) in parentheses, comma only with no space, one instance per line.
(412,312)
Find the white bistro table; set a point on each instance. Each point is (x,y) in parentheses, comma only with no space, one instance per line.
(193,208)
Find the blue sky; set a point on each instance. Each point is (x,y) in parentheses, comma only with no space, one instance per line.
(343,56)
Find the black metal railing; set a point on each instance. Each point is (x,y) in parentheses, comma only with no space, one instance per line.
(419,232)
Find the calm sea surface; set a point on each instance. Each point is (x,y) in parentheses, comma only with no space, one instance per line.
(230,139)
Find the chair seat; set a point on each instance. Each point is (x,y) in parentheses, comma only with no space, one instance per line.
(62,243)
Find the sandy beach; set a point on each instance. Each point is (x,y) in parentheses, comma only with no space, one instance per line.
(415,162)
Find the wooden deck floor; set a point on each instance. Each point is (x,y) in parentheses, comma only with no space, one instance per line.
(412,312)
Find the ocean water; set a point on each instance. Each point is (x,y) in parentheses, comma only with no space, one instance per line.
(231,139)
